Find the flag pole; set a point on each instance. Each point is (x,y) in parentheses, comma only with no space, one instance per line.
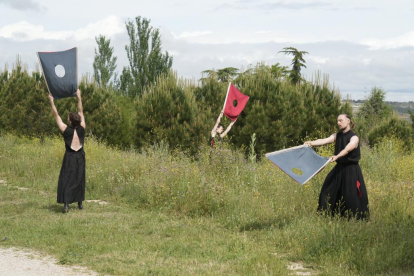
(228,89)
(43,72)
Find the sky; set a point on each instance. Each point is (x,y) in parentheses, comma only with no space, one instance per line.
(358,44)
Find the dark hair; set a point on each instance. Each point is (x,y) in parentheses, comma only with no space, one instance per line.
(352,125)
(74,119)
(219,125)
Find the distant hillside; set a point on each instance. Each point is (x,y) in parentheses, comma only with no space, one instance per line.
(400,107)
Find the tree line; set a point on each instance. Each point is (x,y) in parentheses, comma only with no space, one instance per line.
(149,103)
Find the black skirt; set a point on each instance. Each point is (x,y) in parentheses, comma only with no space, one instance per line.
(71,186)
(344,192)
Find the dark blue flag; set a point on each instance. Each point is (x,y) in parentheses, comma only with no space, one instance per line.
(60,72)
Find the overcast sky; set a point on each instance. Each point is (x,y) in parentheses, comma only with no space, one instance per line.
(359,44)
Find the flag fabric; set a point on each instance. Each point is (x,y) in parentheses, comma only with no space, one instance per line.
(300,163)
(63,83)
(234,103)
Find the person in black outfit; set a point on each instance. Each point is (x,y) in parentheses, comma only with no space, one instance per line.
(71,185)
(344,190)
(219,129)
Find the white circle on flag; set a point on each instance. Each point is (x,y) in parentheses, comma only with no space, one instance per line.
(60,71)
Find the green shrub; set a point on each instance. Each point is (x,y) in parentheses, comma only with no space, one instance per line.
(395,127)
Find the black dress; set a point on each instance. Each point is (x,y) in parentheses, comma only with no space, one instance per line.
(212,140)
(71,186)
(344,191)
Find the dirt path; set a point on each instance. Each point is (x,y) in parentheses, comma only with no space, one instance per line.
(22,262)
(18,262)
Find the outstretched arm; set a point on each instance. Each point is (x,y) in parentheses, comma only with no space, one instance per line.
(353,144)
(62,126)
(321,142)
(213,131)
(227,129)
(80,108)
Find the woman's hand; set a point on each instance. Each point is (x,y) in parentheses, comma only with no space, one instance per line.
(51,98)
(78,94)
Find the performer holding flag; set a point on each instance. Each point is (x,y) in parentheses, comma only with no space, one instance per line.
(218,128)
(71,184)
(344,188)
(233,105)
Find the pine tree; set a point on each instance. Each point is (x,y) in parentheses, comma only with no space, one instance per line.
(297,63)
(168,112)
(24,108)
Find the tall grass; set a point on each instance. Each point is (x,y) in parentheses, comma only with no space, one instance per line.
(244,196)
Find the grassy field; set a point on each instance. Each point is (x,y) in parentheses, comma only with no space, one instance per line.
(215,214)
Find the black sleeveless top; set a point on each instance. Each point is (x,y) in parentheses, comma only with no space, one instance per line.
(68,137)
(342,140)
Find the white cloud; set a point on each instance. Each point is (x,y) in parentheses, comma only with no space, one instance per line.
(209,37)
(23,5)
(25,31)
(319,59)
(108,26)
(391,43)
(186,35)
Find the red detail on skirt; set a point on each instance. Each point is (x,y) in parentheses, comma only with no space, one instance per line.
(359,190)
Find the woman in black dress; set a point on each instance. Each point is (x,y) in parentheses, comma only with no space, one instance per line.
(71,186)
(218,129)
(344,190)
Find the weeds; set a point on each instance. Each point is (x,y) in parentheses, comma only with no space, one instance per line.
(219,189)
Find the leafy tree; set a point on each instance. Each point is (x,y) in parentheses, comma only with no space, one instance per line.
(227,74)
(208,74)
(146,61)
(279,70)
(223,75)
(375,107)
(104,63)
(373,112)
(297,63)
(411,117)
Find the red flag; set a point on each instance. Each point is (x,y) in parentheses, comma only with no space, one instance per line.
(235,103)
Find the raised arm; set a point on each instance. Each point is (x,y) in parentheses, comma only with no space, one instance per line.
(321,142)
(62,126)
(213,131)
(353,144)
(80,108)
(227,129)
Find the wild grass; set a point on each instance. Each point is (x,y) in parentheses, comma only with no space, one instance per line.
(217,213)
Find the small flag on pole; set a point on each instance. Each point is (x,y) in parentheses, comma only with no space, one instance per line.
(301,163)
(60,72)
(234,103)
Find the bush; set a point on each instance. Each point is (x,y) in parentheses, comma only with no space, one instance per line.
(393,128)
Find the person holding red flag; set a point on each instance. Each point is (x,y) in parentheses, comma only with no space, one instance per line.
(218,129)
(233,105)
